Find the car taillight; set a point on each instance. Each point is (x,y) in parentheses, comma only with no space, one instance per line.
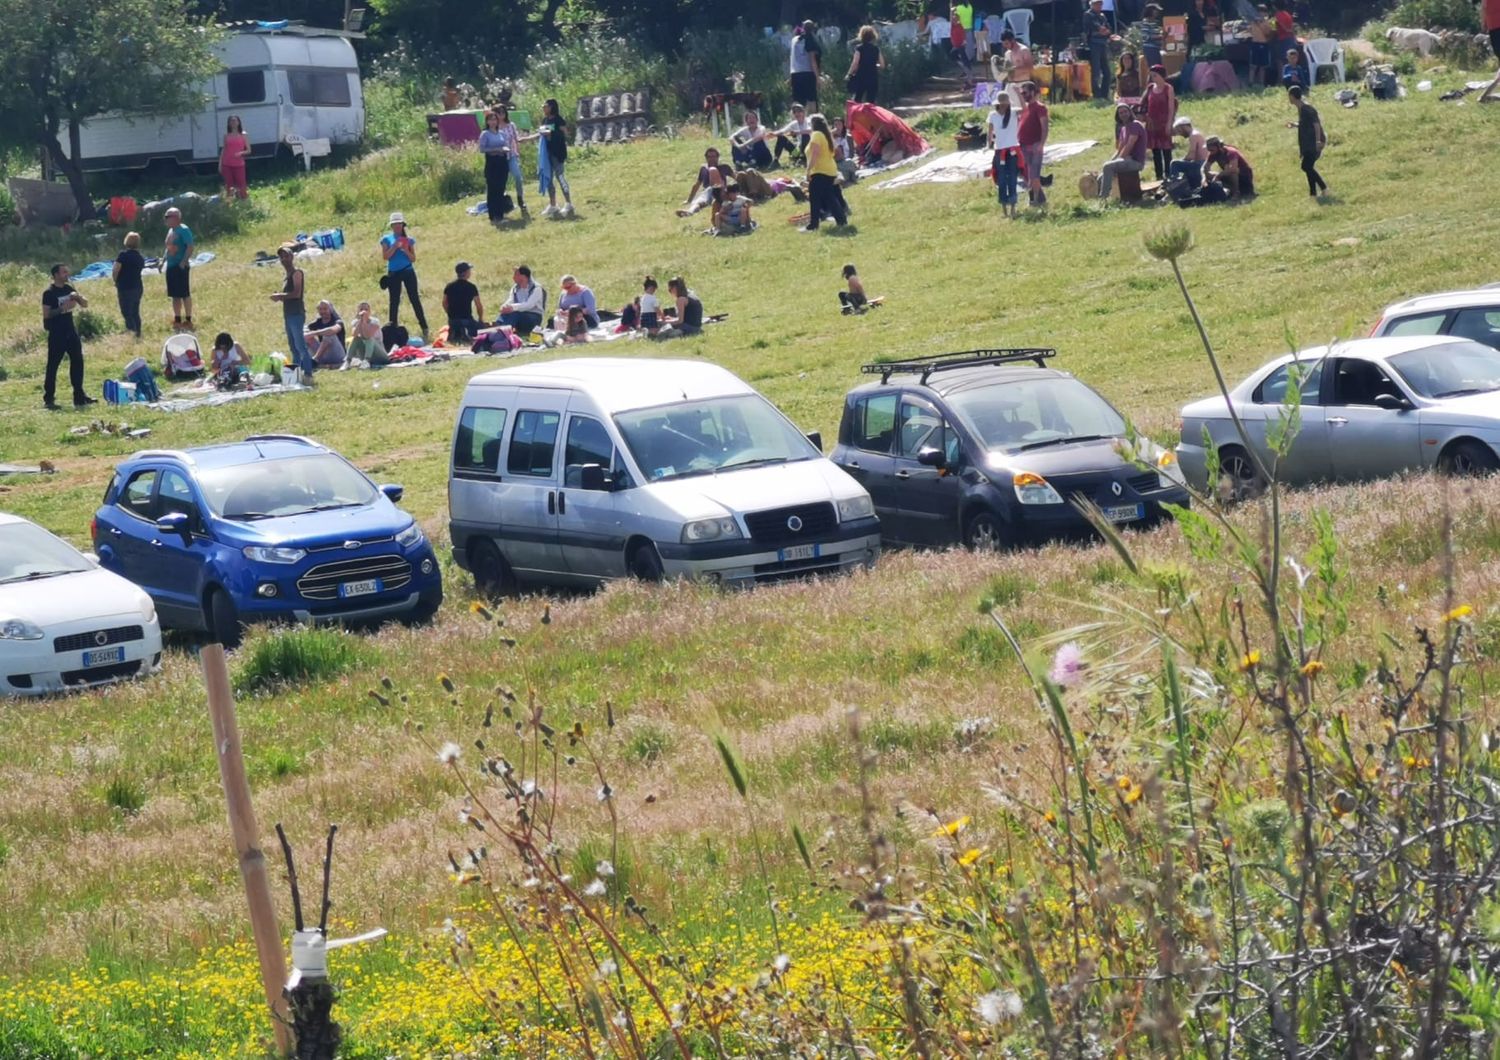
(94,530)
(1376,329)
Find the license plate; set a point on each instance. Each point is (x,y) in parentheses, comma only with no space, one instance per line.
(103,657)
(364,588)
(798,552)
(1124,513)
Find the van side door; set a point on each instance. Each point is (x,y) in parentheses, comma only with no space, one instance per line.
(593,525)
(927,498)
(530,477)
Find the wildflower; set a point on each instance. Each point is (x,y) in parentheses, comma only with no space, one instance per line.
(952,828)
(1311,668)
(447,683)
(1124,783)
(1067,665)
(595,889)
(998,1006)
(968,857)
(607,968)
(605,792)
(1462,611)
(605,868)
(1050,817)
(1169,242)
(479,609)
(448,753)
(1249,661)
(1133,796)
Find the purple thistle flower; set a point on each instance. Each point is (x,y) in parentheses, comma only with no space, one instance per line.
(1067,665)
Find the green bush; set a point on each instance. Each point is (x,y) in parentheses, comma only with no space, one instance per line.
(457,176)
(297,655)
(7,208)
(1436,15)
(92,325)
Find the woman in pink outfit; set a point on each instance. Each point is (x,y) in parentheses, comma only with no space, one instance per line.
(1161,115)
(232,160)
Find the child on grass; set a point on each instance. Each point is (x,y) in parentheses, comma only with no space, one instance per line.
(650,307)
(853,300)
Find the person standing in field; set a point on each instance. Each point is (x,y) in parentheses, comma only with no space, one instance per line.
(400,253)
(176,256)
(806,64)
(1031,134)
(494,145)
(507,128)
(1310,140)
(865,67)
(232,159)
(1006,147)
(1097,31)
(1491,23)
(822,175)
(58,302)
(294,310)
(127,276)
(1161,115)
(553,133)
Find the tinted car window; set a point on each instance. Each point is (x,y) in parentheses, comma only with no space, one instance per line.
(176,495)
(476,444)
(921,428)
(874,423)
(137,494)
(1481,325)
(271,489)
(1421,324)
(714,434)
(532,443)
(1357,382)
(1273,389)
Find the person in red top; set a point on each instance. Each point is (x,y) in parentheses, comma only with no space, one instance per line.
(1286,32)
(232,159)
(956,39)
(1234,175)
(1491,16)
(1032,136)
(1161,113)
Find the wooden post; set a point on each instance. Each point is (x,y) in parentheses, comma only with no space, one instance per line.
(247,840)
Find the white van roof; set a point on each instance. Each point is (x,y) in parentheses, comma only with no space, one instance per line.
(618,384)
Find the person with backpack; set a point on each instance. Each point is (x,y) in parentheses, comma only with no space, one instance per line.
(400,253)
(1310,140)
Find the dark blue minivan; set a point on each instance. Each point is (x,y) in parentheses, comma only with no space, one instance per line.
(276,527)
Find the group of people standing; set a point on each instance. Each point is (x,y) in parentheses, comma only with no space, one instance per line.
(500,144)
(1017,137)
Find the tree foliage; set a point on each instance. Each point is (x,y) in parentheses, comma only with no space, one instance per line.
(71,60)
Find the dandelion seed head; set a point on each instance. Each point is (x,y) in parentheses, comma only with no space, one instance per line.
(448,753)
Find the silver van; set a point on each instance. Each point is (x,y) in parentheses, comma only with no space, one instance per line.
(579,471)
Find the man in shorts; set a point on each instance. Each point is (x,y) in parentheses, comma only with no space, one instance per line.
(176,256)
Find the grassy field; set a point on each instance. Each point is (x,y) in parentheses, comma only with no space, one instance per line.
(114,855)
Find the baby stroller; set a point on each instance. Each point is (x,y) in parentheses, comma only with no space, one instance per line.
(181,358)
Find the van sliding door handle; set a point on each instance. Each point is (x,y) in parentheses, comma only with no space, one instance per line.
(903,474)
(562,503)
(551,503)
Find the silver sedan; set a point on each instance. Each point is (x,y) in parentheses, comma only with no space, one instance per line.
(1368,408)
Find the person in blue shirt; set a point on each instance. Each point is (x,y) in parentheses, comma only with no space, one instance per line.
(400,253)
(1294,74)
(176,256)
(576,294)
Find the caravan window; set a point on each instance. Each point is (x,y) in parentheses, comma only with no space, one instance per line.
(247,86)
(319,88)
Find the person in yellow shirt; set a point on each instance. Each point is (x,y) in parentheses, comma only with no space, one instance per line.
(822,177)
(963,13)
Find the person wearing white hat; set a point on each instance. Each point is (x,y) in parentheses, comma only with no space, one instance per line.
(1190,165)
(400,253)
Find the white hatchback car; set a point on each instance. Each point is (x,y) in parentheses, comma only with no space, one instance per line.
(64,622)
(1471,314)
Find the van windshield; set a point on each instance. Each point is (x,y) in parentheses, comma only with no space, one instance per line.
(717,434)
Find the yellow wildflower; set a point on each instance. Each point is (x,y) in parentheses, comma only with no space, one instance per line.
(1134,795)
(968,857)
(953,827)
(1124,783)
(1249,661)
(1312,668)
(1459,613)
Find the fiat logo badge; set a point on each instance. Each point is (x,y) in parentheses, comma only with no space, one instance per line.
(101,638)
(1115,488)
(351,545)
(794,524)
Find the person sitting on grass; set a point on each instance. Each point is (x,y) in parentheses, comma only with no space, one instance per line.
(463,305)
(712,176)
(1234,179)
(577,329)
(845,154)
(686,317)
(229,362)
(526,307)
(650,307)
(853,300)
(731,215)
(325,337)
(792,137)
(576,294)
(1190,166)
(367,344)
(1294,72)
(748,145)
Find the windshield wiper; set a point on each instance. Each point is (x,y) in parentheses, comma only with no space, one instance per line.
(1465,392)
(330,506)
(758,461)
(1064,441)
(36,575)
(248,516)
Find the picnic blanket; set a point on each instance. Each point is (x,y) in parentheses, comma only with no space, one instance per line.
(181,399)
(958,166)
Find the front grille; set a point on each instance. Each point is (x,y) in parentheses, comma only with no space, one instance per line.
(796,568)
(85,641)
(322,582)
(770,527)
(338,546)
(95,674)
(19,680)
(1146,482)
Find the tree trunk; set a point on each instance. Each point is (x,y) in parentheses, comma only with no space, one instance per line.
(69,166)
(549,20)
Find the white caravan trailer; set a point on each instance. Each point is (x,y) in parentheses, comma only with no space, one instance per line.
(290,81)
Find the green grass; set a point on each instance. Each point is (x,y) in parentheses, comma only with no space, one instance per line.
(776,668)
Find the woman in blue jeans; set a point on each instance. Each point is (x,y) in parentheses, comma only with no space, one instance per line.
(507,128)
(1004,131)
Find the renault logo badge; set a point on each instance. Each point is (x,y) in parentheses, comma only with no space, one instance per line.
(794,524)
(351,545)
(1115,488)
(101,638)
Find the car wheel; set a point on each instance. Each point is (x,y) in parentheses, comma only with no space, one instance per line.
(645,564)
(983,533)
(1239,478)
(492,575)
(1468,458)
(224,619)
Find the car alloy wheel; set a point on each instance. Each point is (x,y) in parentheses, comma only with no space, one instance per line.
(983,533)
(1239,478)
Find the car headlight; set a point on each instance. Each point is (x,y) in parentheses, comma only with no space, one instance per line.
(860,507)
(711,530)
(410,536)
(1031,488)
(20,629)
(147,608)
(274,554)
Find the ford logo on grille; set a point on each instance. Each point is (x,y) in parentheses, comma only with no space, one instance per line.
(794,524)
(101,638)
(1114,488)
(355,544)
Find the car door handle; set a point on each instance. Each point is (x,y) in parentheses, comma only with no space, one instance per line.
(155,543)
(562,503)
(116,531)
(1338,421)
(551,503)
(903,474)
(853,465)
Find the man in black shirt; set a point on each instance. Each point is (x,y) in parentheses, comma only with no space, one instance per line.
(1310,140)
(1097,32)
(462,304)
(58,302)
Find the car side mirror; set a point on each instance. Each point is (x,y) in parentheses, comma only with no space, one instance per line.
(393,491)
(92,557)
(174,523)
(1391,402)
(929,456)
(816,437)
(592,477)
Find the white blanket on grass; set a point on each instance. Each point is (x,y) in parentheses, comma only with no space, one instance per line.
(875,171)
(958,166)
(179,402)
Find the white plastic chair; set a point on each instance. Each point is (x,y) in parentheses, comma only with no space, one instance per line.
(1325,51)
(1019,21)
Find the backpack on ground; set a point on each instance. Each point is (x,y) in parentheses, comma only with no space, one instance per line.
(394,336)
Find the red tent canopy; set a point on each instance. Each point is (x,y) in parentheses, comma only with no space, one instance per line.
(866,120)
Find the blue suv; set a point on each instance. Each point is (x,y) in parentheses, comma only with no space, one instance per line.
(276,527)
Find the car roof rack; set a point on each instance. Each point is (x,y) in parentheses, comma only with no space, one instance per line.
(944,362)
(283,438)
